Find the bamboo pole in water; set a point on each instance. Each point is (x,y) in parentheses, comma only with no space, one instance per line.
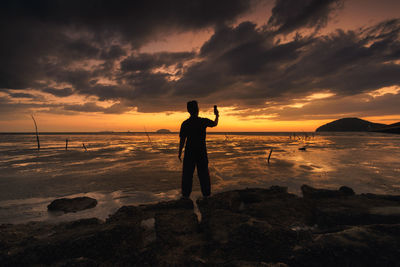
(269,156)
(37,135)
(148,136)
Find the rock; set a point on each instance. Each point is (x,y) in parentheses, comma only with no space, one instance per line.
(353,210)
(75,262)
(171,225)
(249,227)
(178,239)
(73,204)
(246,224)
(254,264)
(374,245)
(126,213)
(234,200)
(83,223)
(347,191)
(274,205)
(235,236)
(163,131)
(383,197)
(168,205)
(100,243)
(310,192)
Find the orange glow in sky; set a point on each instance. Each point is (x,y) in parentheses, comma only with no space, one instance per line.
(139,122)
(285,104)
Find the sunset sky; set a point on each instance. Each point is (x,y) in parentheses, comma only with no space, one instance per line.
(114,65)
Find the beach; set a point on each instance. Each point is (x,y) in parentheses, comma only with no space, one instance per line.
(135,168)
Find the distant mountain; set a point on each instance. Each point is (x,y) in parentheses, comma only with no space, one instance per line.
(163,131)
(391,128)
(350,125)
(397,124)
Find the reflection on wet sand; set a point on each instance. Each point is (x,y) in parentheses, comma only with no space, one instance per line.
(129,166)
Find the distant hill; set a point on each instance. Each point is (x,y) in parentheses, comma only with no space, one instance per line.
(163,131)
(391,128)
(397,124)
(350,125)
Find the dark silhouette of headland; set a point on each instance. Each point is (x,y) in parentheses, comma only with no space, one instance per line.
(358,125)
(163,131)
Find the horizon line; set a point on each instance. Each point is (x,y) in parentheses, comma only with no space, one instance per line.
(171,132)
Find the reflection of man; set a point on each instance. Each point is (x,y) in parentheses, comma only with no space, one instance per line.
(193,131)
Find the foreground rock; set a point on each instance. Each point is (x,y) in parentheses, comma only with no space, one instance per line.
(251,227)
(72,204)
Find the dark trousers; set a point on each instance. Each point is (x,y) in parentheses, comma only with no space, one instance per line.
(189,163)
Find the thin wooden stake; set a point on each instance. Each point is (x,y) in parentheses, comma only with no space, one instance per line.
(226,137)
(148,136)
(83,145)
(269,156)
(66,144)
(37,135)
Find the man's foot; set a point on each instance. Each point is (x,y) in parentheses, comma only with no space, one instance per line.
(184,198)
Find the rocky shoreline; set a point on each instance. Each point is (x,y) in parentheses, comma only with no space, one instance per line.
(249,227)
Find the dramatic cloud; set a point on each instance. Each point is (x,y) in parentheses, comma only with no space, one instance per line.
(92,51)
(21,95)
(145,62)
(59,92)
(290,15)
(254,70)
(361,106)
(38,36)
(93,107)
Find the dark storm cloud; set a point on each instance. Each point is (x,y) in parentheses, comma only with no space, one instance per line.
(93,107)
(363,105)
(147,61)
(254,70)
(38,34)
(10,109)
(59,92)
(133,19)
(235,57)
(290,15)
(21,95)
(114,52)
(348,62)
(92,49)
(227,38)
(245,66)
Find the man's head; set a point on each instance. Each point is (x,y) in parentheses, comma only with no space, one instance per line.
(193,108)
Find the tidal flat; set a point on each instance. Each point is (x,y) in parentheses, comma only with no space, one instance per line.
(132,168)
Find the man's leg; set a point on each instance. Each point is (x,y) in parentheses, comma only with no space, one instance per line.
(187,176)
(204,176)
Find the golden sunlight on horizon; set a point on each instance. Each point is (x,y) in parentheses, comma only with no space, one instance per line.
(139,122)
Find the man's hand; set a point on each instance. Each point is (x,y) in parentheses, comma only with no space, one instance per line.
(216,110)
(180,157)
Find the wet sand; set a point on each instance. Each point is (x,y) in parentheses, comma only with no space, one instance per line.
(125,169)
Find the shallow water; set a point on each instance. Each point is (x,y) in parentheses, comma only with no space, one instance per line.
(120,169)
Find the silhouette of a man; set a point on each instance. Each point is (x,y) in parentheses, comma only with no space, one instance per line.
(193,131)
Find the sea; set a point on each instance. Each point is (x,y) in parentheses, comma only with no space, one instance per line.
(138,168)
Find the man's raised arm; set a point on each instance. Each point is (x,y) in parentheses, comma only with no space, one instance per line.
(215,122)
